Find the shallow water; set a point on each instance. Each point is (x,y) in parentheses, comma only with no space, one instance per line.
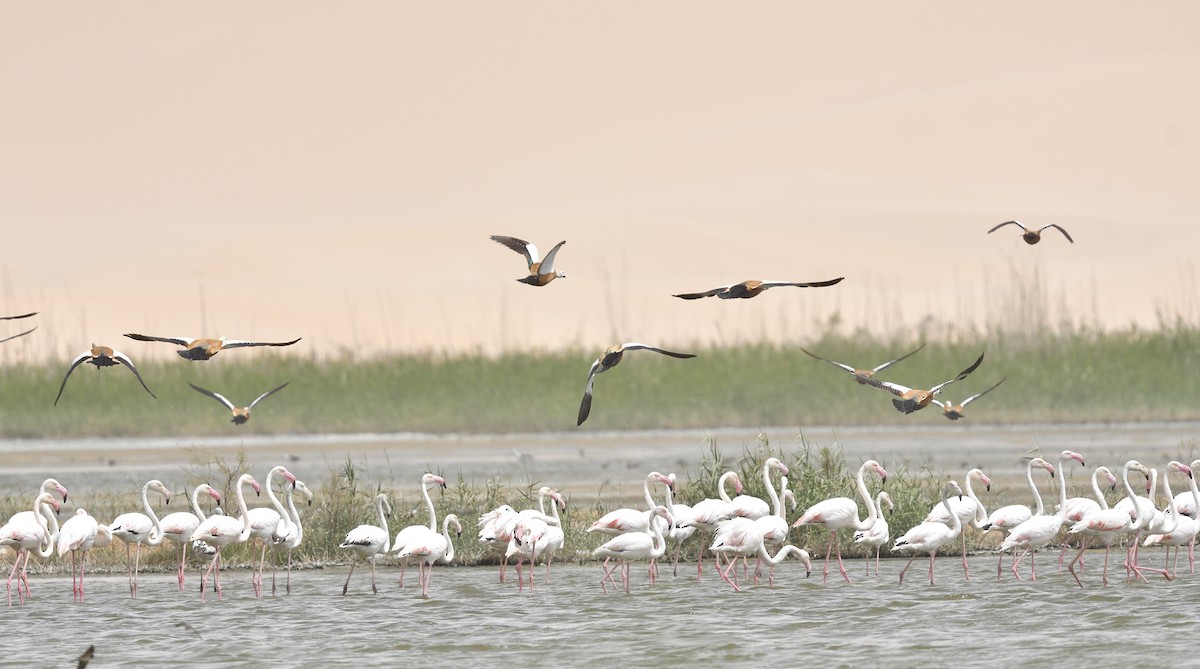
(472,619)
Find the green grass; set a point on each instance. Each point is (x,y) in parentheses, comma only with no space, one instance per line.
(1133,375)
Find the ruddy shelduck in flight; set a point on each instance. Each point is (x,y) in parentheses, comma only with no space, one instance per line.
(1032,236)
(101,356)
(541,270)
(915,399)
(240,414)
(751,288)
(203,349)
(861,375)
(955,411)
(612,355)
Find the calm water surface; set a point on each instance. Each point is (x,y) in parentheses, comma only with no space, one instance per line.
(471,620)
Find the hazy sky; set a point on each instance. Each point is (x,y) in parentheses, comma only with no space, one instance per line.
(329,170)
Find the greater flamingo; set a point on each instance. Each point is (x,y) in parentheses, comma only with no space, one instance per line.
(291,538)
(267,522)
(27,534)
(495,530)
(179,526)
(678,533)
(879,533)
(78,535)
(929,537)
(1007,517)
(709,512)
(1109,524)
(1078,507)
(841,513)
(139,528)
(219,531)
(430,548)
(740,538)
(1040,529)
(774,526)
(1183,501)
(413,531)
(49,485)
(1186,527)
(368,541)
(969,509)
(634,546)
(626,520)
(536,534)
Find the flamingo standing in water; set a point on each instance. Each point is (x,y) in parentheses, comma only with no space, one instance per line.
(648,545)
(179,526)
(1078,507)
(626,520)
(1108,525)
(841,513)
(709,512)
(1007,517)
(741,538)
(27,534)
(969,509)
(140,528)
(294,534)
(879,534)
(219,531)
(53,487)
(1186,528)
(428,549)
(413,531)
(78,535)
(1040,529)
(368,541)
(678,533)
(268,522)
(495,530)
(774,526)
(537,534)
(930,536)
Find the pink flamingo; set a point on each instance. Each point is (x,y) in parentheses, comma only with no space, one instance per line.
(648,545)
(78,535)
(929,537)
(139,528)
(708,513)
(969,511)
(268,522)
(740,538)
(495,530)
(774,526)
(430,548)
(51,486)
(178,526)
(1040,529)
(291,538)
(26,535)
(1007,517)
(1186,528)
(368,541)
(537,534)
(1078,507)
(414,531)
(879,534)
(1108,525)
(678,533)
(626,520)
(218,532)
(841,513)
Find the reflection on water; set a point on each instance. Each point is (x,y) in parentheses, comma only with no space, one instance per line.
(472,619)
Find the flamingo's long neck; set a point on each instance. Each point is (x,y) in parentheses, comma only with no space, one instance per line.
(1170,525)
(449,542)
(241,501)
(645,493)
(1096,490)
(195,499)
(298,530)
(283,514)
(780,556)
(980,511)
(1062,489)
(1143,520)
(387,544)
(1195,493)
(955,523)
(658,544)
(156,535)
(721,486)
(49,527)
(1037,496)
(865,494)
(776,502)
(1132,497)
(429,507)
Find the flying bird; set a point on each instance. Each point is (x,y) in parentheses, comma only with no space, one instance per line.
(203,349)
(541,271)
(1032,236)
(955,411)
(101,356)
(861,375)
(751,288)
(240,414)
(915,399)
(13,318)
(21,334)
(612,356)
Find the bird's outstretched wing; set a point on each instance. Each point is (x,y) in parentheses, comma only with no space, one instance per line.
(264,395)
(179,341)
(976,396)
(79,359)
(634,346)
(22,334)
(216,396)
(585,407)
(124,360)
(1016,223)
(961,375)
(707,293)
(240,343)
(803,284)
(1060,229)
(840,365)
(86,657)
(520,246)
(13,318)
(889,363)
(893,388)
(547,265)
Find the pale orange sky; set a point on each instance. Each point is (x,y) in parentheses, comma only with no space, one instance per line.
(270,170)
